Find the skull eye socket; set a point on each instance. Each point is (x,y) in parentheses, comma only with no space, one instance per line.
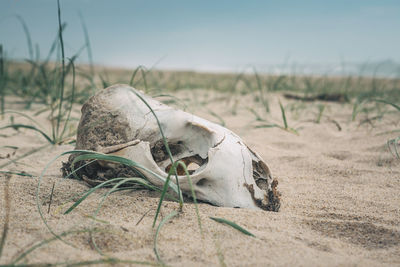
(193,163)
(160,154)
(189,144)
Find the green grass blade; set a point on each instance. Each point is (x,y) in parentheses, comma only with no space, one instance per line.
(163,193)
(283,115)
(27,35)
(134,74)
(183,165)
(88,46)
(387,102)
(54,44)
(221,120)
(261,91)
(17,173)
(273,125)
(321,109)
(12,147)
(71,101)
(23,115)
(142,71)
(166,219)
(90,191)
(233,225)
(258,117)
(17,126)
(62,81)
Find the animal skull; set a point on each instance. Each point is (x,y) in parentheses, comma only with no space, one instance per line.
(224,171)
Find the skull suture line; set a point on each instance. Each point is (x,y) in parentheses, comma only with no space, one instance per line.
(225,172)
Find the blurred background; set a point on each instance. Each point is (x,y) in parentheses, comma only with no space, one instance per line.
(303,37)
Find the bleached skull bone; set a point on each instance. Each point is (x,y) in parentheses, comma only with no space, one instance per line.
(225,171)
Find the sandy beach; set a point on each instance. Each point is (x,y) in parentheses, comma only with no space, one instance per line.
(339,184)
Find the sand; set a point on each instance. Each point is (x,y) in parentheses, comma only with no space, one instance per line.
(340,196)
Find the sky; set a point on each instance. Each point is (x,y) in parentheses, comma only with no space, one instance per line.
(209,35)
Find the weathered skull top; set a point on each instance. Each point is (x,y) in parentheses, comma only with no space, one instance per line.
(224,171)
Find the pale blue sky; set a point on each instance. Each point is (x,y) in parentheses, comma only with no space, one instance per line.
(210,34)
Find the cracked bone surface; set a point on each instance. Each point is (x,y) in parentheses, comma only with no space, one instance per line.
(224,171)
